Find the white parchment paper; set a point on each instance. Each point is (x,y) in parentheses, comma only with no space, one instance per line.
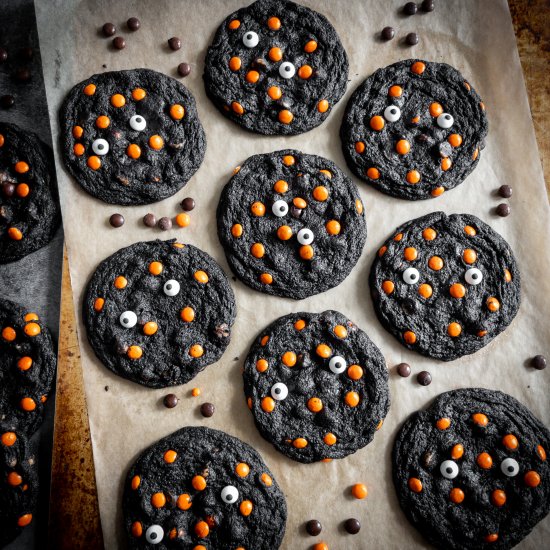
(477,38)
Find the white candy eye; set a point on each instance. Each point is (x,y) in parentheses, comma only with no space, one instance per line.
(445,120)
(280,208)
(473,276)
(230,494)
(449,469)
(154,534)
(171,287)
(392,113)
(137,122)
(337,364)
(305,236)
(250,39)
(287,69)
(100,146)
(128,319)
(411,275)
(279,391)
(509,467)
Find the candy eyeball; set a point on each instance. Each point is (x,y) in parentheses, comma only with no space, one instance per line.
(287,69)
(509,467)
(305,236)
(250,39)
(279,391)
(449,469)
(128,319)
(171,287)
(392,113)
(230,494)
(138,123)
(154,534)
(337,364)
(473,276)
(280,208)
(100,146)
(411,275)
(445,120)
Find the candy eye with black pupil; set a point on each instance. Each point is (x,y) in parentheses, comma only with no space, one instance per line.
(411,275)
(154,534)
(230,494)
(279,391)
(287,69)
(250,39)
(128,319)
(509,467)
(138,123)
(473,276)
(392,113)
(445,120)
(280,208)
(100,146)
(305,236)
(171,287)
(337,364)
(449,469)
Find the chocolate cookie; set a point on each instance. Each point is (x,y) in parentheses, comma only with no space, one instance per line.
(291,224)
(158,312)
(276,67)
(18,485)
(414,129)
(471,471)
(29,209)
(445,286)
(202,488)
(316,385)
(27,367)
(131,137)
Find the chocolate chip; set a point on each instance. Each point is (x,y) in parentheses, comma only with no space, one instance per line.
(207,409)
(170,400)
(188,204)
(3,55)
(119,43)
(108,29)
(116,220)
(302,361)
(184,69)
(165,224)
(149,220)
(409,306)
(424,378)
(445,149)
(121,348)
(295,212)
(422,138)
(259,63)
(411,39)
(26,53)
(133,24)
(222,331)
(427,459)
(8,189)
(174,43)
(352,526)
(505,191)
(503,209)
(22,75)
(314,527)
(428,5)
(410,8)
(404,370)
(387,33)
(539,362)
(7,101)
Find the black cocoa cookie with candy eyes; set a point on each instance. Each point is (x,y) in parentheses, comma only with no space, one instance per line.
(131,137)
(471,470)
(276,67)
(316,385)
(445,286)
(201,488)
(414,129)
(291,224)
(159,312)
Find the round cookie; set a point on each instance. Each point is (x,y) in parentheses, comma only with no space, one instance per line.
(414,129)
(131,137)
(29,209)
(471,470)
(202,488)
(316,385)
(445,286)
(291,224)
(18,485)
(158,312)
(276,68)
(27,367)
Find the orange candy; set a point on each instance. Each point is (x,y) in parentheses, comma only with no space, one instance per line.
(120,282)
(235,63)
(24,363)
(177,112)
(237,108)
(187,314)
(196,351)
(268,404)
(201,277)
(418,67)
(455,140)
(457,290)
(14,479)
(310,46)
(237,230)
(234,25)
(195,392)
(289,358)
(395,91)
(280,186)
(436,109)
(470,231)
(300,443)
(410,337)
(429,234)
(446,164)
(437,191)
(373,173)
(355,372)
(323,106)
(320,546)
(352,399)
(170,456)
(415,485)
(329,439)
(315,405)
(252,77)
(492,537)
(377,123)
(531,479)
(285,116)
(198,483)
(443,423)
(457,451)
(456,495)
(77,132)
(133,151)
(484,460)
(266,480)
(24,520)
(183,219)
(275,54)
(21,167)
(89,89)
(150,328)
(425,290)
(435,263)
(480,419)
(202,530)
(138,94)
(156,142)
(469,256)
(94,162)
(15,234)
(510,442)
(246,507)
(305,71)
(388,287)
(8,439)
(266,278)
(306,252)
(135,483)
(541,452)
(402,146)
(498,497)
(413,176)
(274,23)
(184,502)
(28,404)
(32,329)
(258,209)
(493,304)
(78,149)
(284,232)
(300,324)
(410,254)
(242,469)
(102,121)
(137,529)
(8,334)
(257,250)
(323,351)
(340,331)
(158,500)
(155,268)
(454,330)
(118,100)
(134,352)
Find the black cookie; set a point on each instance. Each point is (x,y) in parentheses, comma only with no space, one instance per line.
(158,312)
(291,224)
(27,367)
(317,386)
(18,485)
(276,67)
(471,470)
(414,129)
(131,137)
(202,488)
(445,286)
(29,209)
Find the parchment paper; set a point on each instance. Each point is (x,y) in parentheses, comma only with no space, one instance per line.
(477,38)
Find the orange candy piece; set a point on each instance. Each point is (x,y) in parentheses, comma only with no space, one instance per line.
(315,405)
(352,399)
(323,106)
(118,100)
(289,358)
(415,485)
(377,123)
(531,479)
(201,277)
(268,404)
(133,151)
(258,209)
(480,419)
(102,121)
(484,460)
(235,63)
(284,232)
(94,162)
(285,116)
(443,423)
(32,329)
(402,146)
(242,469)
(28,404)
(177,112)
(310,46)
(158,500)
(156,142)
(323,351)
(498,497)
(170,456)
(198,483)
